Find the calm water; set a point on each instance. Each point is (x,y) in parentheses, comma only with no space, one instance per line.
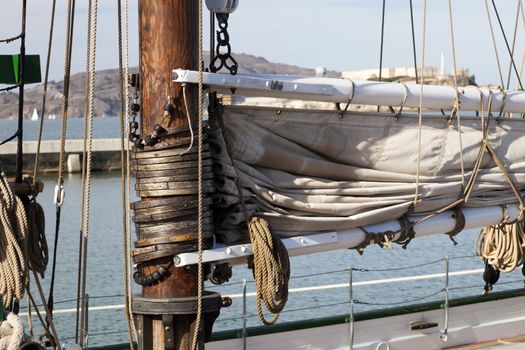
(105,279)
(102,128)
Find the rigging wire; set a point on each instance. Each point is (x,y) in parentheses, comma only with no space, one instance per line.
(10,138)
(523,53)
(489,18)
(44,94)
(380,47)
(514,42)
(507,45)
(21,76)
(9,88)
(413,40)
(382,40)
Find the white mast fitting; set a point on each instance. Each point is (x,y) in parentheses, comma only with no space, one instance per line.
(359,92)
(308,244)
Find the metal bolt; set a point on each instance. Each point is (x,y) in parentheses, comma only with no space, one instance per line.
(167,328)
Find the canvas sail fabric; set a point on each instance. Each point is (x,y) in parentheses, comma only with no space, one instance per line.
(313,171)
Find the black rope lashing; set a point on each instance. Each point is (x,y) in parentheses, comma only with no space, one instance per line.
(459,225)
(158,275)
(407,231)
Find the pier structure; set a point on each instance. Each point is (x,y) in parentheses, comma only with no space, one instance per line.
(106,155)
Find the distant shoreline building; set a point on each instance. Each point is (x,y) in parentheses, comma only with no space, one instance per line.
(408,74)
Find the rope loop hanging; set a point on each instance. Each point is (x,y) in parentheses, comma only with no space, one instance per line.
(403,102)
(343,111)
(271,269)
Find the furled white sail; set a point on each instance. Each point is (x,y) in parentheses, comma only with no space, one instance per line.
(314,171)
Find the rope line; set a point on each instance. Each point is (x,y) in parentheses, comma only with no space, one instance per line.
(88,168)
(123,157)
(507,45)
(489,18)
(59,189)
(83,181)
(128,171)
(200,268)
(44,94)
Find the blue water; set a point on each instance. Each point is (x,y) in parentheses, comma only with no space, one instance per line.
(102,128)
(105,277)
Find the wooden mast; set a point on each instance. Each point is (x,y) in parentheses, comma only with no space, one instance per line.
(168,39)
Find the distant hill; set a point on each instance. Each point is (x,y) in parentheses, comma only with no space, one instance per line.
(106,89)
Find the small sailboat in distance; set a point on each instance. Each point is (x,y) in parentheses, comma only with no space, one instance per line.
(35,115)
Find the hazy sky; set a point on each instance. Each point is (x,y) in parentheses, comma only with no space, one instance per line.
(337,34)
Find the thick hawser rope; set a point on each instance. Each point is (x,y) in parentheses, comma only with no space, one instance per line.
(13,234)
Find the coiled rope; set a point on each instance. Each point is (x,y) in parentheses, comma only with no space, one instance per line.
(503,246)
(11,333)
(271,269)
(13,234)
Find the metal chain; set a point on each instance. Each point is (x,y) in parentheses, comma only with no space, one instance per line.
(224,58)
